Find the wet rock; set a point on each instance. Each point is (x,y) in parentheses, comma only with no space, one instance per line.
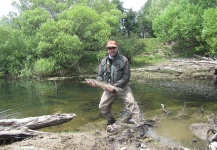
(200,130)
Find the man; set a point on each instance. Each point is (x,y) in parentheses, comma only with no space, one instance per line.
(115,70)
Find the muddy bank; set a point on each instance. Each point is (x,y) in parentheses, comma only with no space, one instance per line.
(97,136)
(123,137)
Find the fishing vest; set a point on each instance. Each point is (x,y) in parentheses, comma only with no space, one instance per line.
(113,68)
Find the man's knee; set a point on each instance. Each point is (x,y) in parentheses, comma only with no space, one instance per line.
(103,110)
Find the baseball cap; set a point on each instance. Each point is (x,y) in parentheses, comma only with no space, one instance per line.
(112,44)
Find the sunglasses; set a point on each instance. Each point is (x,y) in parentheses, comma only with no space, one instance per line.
(110,48)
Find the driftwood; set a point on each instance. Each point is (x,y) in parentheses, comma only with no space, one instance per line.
(179,65)
(162,69)
(23,128)
(164,110)
(205,58)
(196,61)
(181,113)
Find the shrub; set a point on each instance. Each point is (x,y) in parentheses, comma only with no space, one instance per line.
(44,67)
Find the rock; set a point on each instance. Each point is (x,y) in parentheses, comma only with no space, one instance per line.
(200,130)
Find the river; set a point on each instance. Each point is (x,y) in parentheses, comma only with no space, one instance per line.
(26,98)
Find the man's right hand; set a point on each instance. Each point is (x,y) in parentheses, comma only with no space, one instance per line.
(93,84)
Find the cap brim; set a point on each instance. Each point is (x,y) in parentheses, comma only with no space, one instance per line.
(111,46)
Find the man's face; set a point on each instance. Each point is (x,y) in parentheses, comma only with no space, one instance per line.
(112,51)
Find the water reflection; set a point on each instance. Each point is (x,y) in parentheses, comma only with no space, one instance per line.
(26,98)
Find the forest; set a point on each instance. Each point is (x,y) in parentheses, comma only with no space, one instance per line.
(59,37)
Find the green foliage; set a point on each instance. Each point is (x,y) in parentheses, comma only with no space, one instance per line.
(209,33)
(129,22)
(1,74)
(156,7)
(179,21)
(54,7)
(154,52)
(100,6)
(181,24)
(101,54)
(112,19)
(204,4)
(50,30)
(12,52)
(91,28)
(148,13)
(31,20)
(44,67)
(130,46)
(119,5)
(57,43)
(74,33)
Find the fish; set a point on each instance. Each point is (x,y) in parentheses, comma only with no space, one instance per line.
(103,85)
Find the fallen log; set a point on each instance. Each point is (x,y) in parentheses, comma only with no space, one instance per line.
(204,58)
(195,61)
(37,122)
(17,135)
(22,128)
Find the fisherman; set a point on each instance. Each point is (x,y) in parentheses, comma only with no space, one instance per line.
(215,77)
(115,70)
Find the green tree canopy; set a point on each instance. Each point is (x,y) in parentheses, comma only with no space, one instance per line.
(12,56)
(209,32)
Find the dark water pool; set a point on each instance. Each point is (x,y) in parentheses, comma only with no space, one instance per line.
(26,98)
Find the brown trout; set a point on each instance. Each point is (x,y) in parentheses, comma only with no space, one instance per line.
(104,85)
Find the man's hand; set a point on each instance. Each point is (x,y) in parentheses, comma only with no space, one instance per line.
(110,89)
(93,84)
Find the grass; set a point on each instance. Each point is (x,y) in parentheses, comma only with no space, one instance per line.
(154,52)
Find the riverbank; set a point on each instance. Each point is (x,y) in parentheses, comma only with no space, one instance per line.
(92,137)
(95,136)
(178,68)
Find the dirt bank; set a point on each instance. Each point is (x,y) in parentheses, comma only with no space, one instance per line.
(123,137)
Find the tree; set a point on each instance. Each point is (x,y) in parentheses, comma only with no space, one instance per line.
(144,23)
(179,21)
(92,28)
(55,7)
(150,10)
(12,50)
(119,5)
(154,8)
(129,46)
(10,20)
(209,31)
(31,20)
(204,4)
(57,42)
(60,34)
(130,24)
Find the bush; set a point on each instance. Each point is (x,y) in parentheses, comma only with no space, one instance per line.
(44,67)
(131,46)
(210,29)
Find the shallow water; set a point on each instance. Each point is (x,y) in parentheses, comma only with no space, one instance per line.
(26,98)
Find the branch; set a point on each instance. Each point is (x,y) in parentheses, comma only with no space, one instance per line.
(181,113)
(164,110)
